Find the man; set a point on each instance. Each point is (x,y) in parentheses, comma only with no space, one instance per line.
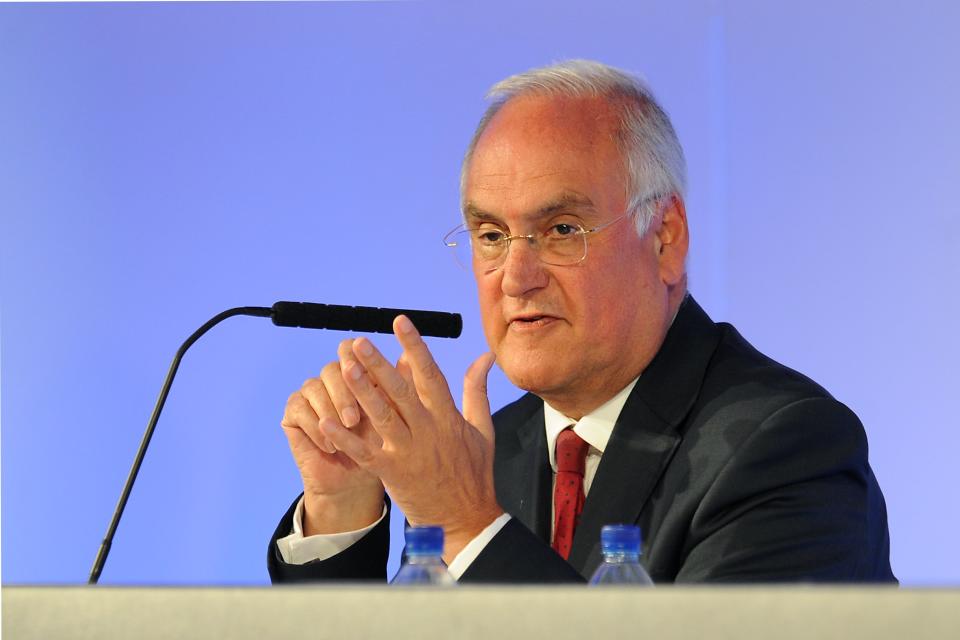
(735,467)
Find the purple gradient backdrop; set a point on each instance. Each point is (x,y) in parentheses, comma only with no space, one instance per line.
(162,162)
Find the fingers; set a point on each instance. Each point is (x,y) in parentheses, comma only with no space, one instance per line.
(427,377)
(476,405)
(388,400)
(403,368)
(301,415)
(347,441)
(394,384)
(326,396)
(341,397)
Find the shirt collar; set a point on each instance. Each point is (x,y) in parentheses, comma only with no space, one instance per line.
(595,427)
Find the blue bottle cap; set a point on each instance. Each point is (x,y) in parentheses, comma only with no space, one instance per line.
(620,538)
(424,541)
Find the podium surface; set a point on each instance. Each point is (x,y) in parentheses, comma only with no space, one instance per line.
(495,612)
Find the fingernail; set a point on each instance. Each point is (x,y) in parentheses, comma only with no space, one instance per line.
(355,371)
(364,346)
(350,417)
(404,324)
(326,446)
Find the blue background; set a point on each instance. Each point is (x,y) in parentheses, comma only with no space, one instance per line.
(162,162)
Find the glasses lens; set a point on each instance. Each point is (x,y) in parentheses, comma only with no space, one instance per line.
(560,245)
(459,244)
(485,247)
(563,246)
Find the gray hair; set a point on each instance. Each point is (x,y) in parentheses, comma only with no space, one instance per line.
(653,157)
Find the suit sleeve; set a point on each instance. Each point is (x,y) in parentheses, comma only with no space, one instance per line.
(516,555)
(796,502)
(365,560)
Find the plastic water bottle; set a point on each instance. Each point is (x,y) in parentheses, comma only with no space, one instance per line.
(424,564)
(621,557)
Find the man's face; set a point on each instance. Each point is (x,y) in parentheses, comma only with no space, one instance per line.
(574,335)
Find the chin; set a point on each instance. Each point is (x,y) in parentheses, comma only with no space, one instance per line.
(537,378)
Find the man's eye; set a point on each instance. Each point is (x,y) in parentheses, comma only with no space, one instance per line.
(489,236)
(562,230)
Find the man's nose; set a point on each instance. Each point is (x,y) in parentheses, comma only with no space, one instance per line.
(522,269)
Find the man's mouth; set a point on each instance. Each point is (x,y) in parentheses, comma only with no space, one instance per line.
(531,322)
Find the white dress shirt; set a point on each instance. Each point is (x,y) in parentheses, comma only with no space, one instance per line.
(595,428)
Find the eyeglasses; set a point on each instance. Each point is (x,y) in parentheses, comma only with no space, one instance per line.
(561,244)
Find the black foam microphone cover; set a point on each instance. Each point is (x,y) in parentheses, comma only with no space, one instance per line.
(312,315)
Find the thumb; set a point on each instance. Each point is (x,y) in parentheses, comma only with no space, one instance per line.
(476,406)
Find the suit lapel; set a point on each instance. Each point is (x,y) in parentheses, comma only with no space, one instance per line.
(522,472)
(647,433)
(638,452)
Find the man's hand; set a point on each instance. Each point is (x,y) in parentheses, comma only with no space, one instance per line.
(436,464)
(338,495)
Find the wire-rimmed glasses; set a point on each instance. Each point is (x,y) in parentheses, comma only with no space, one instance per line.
(560,244)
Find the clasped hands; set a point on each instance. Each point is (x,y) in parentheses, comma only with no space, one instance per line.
(365,425)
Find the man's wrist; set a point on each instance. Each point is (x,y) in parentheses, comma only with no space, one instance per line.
(459,535)
(298,549)
(326,514)
(475,547)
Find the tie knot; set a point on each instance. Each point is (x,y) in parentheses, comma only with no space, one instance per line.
(571,452)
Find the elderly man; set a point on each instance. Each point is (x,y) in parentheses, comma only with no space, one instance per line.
(735,467)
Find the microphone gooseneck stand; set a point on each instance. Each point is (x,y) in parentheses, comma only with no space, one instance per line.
(263,312)
(284,314)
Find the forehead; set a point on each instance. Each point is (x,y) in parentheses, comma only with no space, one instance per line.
(537,150)
(564,202)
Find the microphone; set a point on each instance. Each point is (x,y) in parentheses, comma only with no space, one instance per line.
(310,315)
(284,314)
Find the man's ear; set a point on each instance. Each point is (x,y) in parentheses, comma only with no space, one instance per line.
(672,240)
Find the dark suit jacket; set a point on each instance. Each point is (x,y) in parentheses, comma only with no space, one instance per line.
(736,469)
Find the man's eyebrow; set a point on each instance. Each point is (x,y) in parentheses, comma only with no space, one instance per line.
(568,200)
(473,212)
(563,202)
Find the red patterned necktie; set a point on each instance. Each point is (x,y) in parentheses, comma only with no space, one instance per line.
(568,491)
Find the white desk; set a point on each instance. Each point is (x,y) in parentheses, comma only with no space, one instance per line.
(492,613)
